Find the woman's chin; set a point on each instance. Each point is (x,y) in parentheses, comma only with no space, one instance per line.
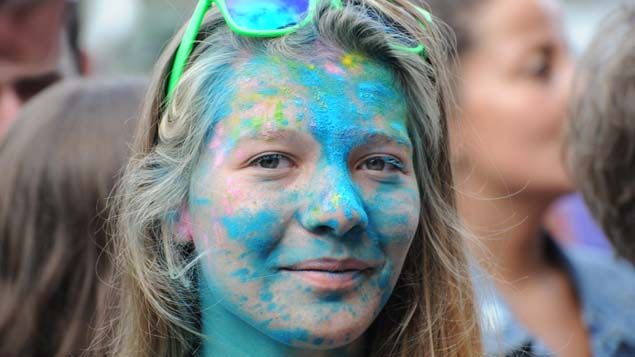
(324,335)
(557,188)
(544,188)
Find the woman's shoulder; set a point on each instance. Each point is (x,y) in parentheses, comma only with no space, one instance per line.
(601,274)
(606,288)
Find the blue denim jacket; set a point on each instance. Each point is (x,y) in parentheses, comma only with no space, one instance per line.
(606,289)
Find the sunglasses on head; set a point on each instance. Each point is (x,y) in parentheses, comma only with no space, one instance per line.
(262,18)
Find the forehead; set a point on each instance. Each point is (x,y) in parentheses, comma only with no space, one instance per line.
(518,22)
(323,90)
(327,68)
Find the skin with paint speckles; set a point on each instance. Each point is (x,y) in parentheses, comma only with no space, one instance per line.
(312,162)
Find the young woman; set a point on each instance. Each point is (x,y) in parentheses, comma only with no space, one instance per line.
(507,154)
(291,194)
(59,162)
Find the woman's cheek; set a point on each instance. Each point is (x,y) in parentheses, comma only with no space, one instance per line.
(236,246)
(207,230)
(232,196)
(394,215)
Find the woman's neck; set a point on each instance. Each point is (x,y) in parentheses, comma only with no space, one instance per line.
(228,335)
(507,228)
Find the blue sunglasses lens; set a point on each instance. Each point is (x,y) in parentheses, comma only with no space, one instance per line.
(267,14)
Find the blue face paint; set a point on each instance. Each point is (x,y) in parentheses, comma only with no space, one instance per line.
(305,203)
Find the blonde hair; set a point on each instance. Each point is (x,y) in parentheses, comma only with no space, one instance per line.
(431,311)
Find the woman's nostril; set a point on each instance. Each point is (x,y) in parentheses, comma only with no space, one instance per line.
(323,230)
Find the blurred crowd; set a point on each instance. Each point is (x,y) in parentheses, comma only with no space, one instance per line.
(544,146)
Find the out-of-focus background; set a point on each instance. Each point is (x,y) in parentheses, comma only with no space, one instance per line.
(126,36)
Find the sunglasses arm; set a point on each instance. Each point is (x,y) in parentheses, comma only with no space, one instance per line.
(187,43)
(191,32)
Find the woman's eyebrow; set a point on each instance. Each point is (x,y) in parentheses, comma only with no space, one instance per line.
(273,134)
(356,137)
(382,138)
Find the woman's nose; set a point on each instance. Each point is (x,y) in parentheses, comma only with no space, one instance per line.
(334,206)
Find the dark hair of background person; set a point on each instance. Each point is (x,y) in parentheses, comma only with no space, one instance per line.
(602,129)
(59,164)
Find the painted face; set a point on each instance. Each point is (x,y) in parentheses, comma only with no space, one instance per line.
(305,201)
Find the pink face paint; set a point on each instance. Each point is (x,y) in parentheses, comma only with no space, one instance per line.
(216,141)
(334,69)
(233,192)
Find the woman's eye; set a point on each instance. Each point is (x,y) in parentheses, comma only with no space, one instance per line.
(539,65)
(382,163)
(272,162)
(542,70)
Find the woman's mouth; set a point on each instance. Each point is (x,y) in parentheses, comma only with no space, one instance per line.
(332,275)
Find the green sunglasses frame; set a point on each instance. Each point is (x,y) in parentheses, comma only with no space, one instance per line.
(194,26)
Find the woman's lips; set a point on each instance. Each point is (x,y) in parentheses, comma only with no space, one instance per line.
(331,274)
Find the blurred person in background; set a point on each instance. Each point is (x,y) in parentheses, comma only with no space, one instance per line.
(602,129)
(59,163)
(507,137)
(38,46)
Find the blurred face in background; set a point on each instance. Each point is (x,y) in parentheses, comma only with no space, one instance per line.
(31,37)
(515,88)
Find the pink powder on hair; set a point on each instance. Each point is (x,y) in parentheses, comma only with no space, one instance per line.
(185,224)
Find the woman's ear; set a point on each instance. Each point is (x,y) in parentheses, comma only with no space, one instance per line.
(184,225)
